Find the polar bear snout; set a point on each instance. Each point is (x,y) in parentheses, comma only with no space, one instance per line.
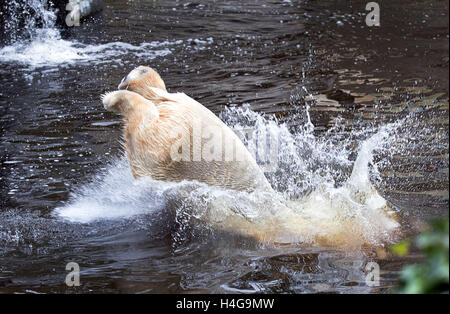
(125,102)
(114,101)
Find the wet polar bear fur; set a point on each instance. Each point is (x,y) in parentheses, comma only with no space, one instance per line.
(165,140)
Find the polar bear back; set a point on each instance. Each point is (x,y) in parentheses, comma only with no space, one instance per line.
(189,142)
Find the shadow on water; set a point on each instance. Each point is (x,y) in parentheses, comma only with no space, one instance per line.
(314,66)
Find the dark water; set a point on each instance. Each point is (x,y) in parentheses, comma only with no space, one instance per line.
(280,57)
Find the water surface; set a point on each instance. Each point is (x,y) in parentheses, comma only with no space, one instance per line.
(330,82)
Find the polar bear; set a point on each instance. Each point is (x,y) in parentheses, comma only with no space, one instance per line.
(174,138)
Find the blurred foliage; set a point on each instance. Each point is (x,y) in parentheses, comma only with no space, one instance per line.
(431,276)
(401,248)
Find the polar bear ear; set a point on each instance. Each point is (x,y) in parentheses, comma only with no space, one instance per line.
(117,101)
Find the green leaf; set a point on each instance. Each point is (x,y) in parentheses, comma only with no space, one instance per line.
(401,248)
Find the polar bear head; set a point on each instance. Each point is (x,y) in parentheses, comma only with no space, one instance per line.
(140,79)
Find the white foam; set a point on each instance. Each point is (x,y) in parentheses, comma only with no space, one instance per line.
(53,51)
(113,194)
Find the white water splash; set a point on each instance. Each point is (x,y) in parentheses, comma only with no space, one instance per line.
(43,46)
(114,194)
(50,52)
